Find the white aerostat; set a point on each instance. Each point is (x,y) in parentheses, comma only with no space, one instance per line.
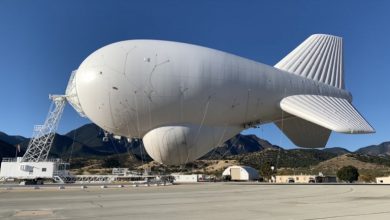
(183,100)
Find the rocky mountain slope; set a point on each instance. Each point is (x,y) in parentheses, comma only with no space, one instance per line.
(11,139)
(382,149)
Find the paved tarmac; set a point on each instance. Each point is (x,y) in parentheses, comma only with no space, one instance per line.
(199,201)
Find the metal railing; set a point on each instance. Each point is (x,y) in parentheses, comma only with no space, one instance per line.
(15,159)
(9,159)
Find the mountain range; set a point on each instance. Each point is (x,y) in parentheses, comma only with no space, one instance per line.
(87,142)
(382,149)
(11,139)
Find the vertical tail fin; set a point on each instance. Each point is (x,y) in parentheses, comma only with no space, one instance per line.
(319,57)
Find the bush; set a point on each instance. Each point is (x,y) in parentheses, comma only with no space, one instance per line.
(348,174)
(368,178)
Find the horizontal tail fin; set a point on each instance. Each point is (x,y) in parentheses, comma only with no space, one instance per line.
(319,57)
(335,114)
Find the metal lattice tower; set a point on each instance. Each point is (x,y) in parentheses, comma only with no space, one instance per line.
(43,135)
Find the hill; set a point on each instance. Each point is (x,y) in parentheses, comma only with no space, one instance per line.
(284,158)
(11,139)
(239,144)
(369,166)
(337,150)
(91,136)
(346,160)
(8,150)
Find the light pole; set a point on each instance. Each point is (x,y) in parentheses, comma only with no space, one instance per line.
(273,179)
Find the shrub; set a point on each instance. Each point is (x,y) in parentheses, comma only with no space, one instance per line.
(348,174)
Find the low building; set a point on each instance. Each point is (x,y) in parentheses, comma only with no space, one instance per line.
(383,180)
(295,179)
(185,178)
(241,173)
(326,179)
(15,168)
(305,179)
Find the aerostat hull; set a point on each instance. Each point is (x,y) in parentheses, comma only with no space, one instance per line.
(182,99)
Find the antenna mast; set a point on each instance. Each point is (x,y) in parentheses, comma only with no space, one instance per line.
(43,135)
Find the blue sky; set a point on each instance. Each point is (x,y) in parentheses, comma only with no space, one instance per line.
(41,42)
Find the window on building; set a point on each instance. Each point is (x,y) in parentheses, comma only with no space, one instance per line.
(44,169)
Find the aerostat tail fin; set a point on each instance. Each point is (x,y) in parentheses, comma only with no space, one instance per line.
(317,116)
(319,57)
(304,133)
(333,113)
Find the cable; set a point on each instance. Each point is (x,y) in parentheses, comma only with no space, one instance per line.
(235,142)
(138,129)
(246,106)
(113,145)
(71,149)
(200,126)
(280,137)
(219,142)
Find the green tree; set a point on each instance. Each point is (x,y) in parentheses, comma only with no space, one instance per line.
(265,170)
(348,174)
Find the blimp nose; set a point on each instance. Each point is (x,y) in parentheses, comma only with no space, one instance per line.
(72,96)
(94,93)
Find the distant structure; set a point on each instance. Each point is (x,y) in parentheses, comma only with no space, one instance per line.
(241,173)
(305,179)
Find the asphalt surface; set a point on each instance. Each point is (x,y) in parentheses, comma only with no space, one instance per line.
(198,201)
